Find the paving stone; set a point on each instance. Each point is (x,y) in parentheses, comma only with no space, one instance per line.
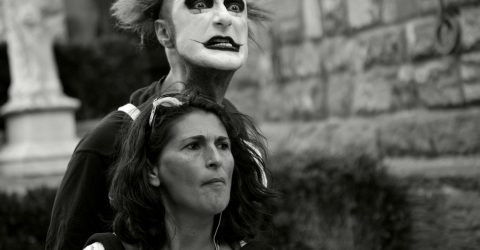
(287,25)
(339,94)
(334,14)
(300,60)
(424,133)
(385,46)
(470,26)
(421,37)
(396,10)
(439,83)
(363,13)
(373,91)
(312,19)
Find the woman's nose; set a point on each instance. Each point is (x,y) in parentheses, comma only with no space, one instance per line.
(222,17)
(213,158)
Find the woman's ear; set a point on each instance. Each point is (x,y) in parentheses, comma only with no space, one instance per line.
(163,33)
(154,177)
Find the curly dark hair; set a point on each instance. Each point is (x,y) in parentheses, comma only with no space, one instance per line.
(139,16)
(140,214)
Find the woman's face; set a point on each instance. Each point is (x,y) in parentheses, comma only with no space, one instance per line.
(211,33)
(196,165)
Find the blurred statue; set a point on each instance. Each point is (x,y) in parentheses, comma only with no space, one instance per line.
(206,42)
(30,35)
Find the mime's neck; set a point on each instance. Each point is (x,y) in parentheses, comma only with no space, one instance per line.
(212,83)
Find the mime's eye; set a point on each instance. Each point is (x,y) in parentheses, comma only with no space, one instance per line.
(236,6)
(200,5)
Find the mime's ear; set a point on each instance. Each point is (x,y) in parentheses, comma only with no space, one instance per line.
(163,33)
(154,177)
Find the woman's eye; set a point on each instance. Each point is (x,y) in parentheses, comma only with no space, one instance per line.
(193,146)
(224,145)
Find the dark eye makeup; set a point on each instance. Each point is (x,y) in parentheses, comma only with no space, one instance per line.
(235,5)
(199,4)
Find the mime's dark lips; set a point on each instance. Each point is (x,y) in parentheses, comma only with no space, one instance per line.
(222,43)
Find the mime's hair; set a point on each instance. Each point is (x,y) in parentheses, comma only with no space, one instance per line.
(139,16)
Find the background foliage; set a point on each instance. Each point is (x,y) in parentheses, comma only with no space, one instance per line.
(327,203)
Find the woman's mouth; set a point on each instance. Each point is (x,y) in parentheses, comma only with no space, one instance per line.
(214,181)
(222,43)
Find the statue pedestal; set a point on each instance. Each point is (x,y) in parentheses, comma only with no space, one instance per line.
(40,142)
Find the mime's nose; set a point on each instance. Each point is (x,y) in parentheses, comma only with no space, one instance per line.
(222,17)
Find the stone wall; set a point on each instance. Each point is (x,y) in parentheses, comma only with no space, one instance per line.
(393,78)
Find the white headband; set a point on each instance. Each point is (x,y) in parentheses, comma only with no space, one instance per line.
(165,102)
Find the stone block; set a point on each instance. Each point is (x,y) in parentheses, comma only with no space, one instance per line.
(373,91)
(287,24)
(471,92)
(2,24)
(298,99)
(363,13)
(470,67)
(301,60)
(421,37)
(334,14)
(427,6)
(340,54)
(330,137)
(339,94)
(470,73)
(396,10)
(356,136)
(450,3)
(470,26)
(312,19)
(384,46)
(439,83)
(404,90)
(428,134)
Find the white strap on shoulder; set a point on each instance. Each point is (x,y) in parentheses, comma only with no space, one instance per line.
(130,110)
(243,243)
(95,246)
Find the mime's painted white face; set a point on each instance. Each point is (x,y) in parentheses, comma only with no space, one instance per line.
(211,33)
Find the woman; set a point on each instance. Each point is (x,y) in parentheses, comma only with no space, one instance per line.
(187,179)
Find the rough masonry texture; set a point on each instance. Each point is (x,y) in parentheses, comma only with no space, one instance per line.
(390,78)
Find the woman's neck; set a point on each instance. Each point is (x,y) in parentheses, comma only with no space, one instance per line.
(187,232)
